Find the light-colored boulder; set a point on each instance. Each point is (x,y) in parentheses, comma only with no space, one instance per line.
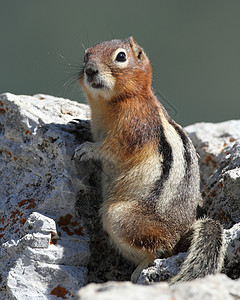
(44,248)
(218,287)
(219,148)
(213,141)
(162,269)
(232,237)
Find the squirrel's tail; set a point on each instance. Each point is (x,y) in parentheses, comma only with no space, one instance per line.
(206,253)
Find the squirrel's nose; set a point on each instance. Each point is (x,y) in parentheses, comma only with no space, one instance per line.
(91,71)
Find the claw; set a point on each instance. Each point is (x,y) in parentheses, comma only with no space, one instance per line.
(85,151)
(80,123)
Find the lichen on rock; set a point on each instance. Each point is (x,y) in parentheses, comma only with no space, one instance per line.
(39,186)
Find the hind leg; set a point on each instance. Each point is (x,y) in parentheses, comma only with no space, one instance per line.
(144,264)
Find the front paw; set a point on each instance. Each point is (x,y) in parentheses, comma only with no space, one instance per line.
(81,124)
(86,151)
(81,129)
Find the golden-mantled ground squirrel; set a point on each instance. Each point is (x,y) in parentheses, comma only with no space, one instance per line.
(150,178)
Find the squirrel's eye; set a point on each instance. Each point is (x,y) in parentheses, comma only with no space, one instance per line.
(121,57)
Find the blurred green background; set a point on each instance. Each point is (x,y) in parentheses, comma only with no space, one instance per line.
(194,47)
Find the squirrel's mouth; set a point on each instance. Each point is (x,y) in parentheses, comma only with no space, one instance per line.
(96,85)
(92,77)
(95,82)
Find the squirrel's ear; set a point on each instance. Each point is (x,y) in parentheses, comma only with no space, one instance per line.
(139,53)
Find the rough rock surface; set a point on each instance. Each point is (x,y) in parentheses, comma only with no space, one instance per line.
(49,209)
(219,148)
(210,288)
(44,249)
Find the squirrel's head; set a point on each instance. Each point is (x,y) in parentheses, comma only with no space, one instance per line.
(116,69)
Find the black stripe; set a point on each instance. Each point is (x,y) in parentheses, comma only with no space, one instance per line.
(186,145)
(185,141)
(165,151)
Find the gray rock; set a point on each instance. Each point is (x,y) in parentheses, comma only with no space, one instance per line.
(209,288)
(213,143)
(44,248)
(162,269)
(232,237)
(219,149)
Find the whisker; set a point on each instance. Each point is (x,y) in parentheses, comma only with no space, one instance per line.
(84,48)
(60,55)
(70,63)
